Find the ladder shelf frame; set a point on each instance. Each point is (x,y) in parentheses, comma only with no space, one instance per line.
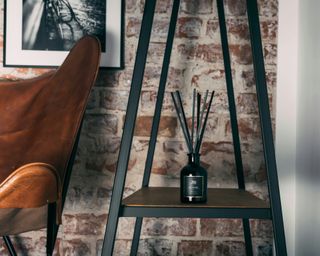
(129,208)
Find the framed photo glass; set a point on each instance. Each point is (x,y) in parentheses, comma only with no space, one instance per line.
(40,33)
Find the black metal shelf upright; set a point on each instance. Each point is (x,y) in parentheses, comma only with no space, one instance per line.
(223,203)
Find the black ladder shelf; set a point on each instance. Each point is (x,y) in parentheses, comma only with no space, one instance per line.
(222,203)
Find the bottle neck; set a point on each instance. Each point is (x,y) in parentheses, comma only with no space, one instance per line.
(194,158)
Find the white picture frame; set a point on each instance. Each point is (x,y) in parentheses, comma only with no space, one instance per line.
(17,55)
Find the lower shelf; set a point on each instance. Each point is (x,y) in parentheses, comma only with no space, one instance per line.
(222,203)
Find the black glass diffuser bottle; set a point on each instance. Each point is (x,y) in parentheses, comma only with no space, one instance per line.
(193,177)
(193,181)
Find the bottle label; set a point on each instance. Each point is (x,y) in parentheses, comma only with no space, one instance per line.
(193,186)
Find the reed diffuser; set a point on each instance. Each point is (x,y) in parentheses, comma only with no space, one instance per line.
(193,177)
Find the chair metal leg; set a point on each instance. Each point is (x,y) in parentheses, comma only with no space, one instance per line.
(9,245)
(51,227)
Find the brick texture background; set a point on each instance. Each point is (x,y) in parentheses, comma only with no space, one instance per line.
(196,63)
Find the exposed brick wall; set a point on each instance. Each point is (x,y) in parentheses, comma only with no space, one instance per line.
(196,63)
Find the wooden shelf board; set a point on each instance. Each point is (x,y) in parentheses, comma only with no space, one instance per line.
(169,197)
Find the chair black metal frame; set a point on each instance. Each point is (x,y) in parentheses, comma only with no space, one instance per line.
(52,227)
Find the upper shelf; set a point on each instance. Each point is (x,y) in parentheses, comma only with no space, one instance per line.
(222,203)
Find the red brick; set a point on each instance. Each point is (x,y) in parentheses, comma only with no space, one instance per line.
(261,175)
(249,81)
(220,103)
(263,247)
(195,7)
(133,27)
(235,7)
(130,50)
(148,102)
(221,227)
(213,28)
(84,224)
(155,226)
(94,100)
(249,128)
(268,8)
(241,54)
(114,100)
(101,124)
(167,126)
(155,53)
(99,144)
(107,78)
(261,228)
(191,248)
(207,52)
(152,78)
(112,166)
(155,247)
(247,103)
(270,53)
(238,30)
(132,6)
(163,6)
(269,29)
(189,27)
(183,227)
(160,29)
(76,247)
(221,146)
(230,248)
(174,147)
(209,76)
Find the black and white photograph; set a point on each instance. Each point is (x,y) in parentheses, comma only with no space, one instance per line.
(43,27)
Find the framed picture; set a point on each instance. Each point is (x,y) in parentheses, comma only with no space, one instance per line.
(40,33)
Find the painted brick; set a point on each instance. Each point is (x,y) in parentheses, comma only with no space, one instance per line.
(231,248)
(189,27)
(114,100)
(221,227)
(196,62)
(198,7)
(167,126)
(190,248)
(101,124)
(206,52)
(76,247)
(83,224)
(150,247)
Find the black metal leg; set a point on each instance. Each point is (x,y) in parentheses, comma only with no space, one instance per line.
(9,245)
(129,124)
(247,237)
(233,117)
(136,237)
(266,127)
(156,118)
(51,227)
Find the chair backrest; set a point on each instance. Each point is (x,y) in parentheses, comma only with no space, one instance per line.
(40,118)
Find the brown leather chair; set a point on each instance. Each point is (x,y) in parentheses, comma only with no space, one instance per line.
(40,120)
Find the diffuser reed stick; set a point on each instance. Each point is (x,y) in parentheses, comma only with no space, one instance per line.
(192,123)
(194,141)
(203,108)
(182,123)
(199,141)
